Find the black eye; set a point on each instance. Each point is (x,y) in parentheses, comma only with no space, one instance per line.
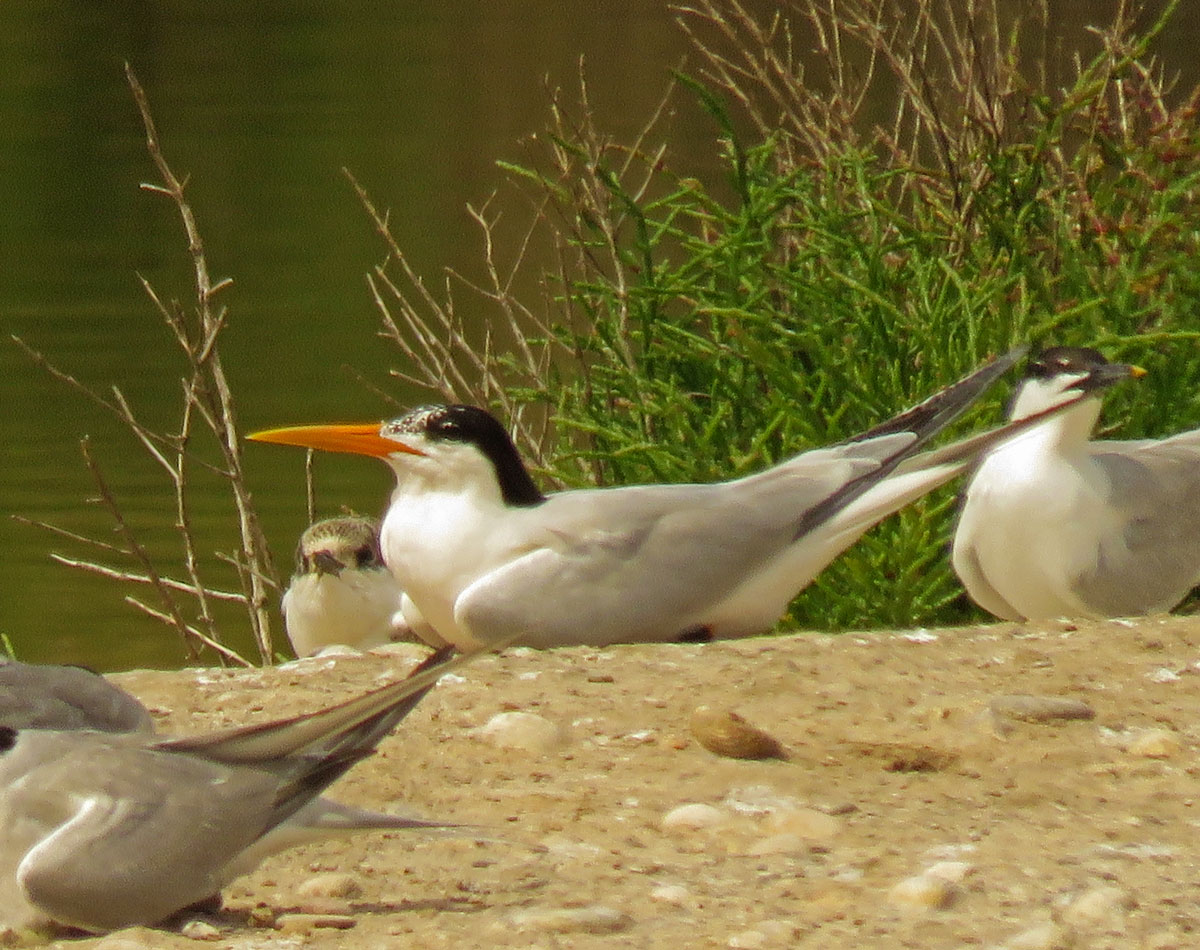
(8,738)
(364,556)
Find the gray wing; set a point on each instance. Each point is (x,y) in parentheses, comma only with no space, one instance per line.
(66,698)
(110,833)
(1156,488)
(643,563)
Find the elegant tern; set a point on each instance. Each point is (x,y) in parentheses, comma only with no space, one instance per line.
(482,553)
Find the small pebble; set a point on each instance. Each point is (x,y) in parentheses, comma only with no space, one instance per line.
(1156,744)
(805,822)
(785,843)
(1046,936)
(594,919)
(724,732)
(953,871)
(747,940)
(671,894)
(334,649)
(200,930)
(331,884)
(130,940)
(1103,906)
(923,892)
(307,923)
(522,730)
(1041,708)
(693,817)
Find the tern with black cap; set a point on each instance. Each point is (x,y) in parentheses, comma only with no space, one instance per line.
(1056,525)
(481,552)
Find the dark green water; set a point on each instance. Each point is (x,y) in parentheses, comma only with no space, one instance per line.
(261,104)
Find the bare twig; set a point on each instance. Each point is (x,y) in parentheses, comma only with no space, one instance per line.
(184,587)
(223,650)
(207,404)
(133,548)
(209,393)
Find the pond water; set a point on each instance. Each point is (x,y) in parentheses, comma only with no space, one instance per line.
(261,105)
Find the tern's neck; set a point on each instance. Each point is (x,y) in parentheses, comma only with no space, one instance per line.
(1071,428)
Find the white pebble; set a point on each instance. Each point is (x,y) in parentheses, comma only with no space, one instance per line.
(693,817)
(1102,906)
(522,730)
(923,892)
(118,941)
(200,930)
(331,884)
(1156,744)
(1046,936)
(335,649)
(595,919)
(955,872)
(805,822)
(747,940)
(671,894)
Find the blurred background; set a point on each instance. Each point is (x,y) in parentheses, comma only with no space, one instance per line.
(262,105)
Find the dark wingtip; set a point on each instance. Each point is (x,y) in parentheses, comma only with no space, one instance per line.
(924,420)
(932,415)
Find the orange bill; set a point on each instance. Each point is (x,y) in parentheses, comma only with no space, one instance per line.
(361,439)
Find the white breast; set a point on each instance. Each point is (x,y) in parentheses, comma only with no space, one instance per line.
(1033,521)
(357,608)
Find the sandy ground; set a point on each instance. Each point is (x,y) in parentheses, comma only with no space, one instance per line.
(914,808)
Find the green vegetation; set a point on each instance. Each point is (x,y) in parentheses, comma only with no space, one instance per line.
(850,259)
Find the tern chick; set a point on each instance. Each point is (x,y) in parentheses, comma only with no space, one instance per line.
(342,593)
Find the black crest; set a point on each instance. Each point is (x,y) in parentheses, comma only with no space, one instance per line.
(478,427)
(1065,359)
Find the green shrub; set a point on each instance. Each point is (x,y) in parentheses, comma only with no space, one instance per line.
(845,267)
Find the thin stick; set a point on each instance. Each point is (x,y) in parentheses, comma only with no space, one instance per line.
(139,554)
(254,546)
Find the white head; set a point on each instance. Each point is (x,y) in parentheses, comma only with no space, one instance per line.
(448,447)
(1061,374)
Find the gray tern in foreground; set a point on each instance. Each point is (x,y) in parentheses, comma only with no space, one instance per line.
(66,698)
(101,831)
